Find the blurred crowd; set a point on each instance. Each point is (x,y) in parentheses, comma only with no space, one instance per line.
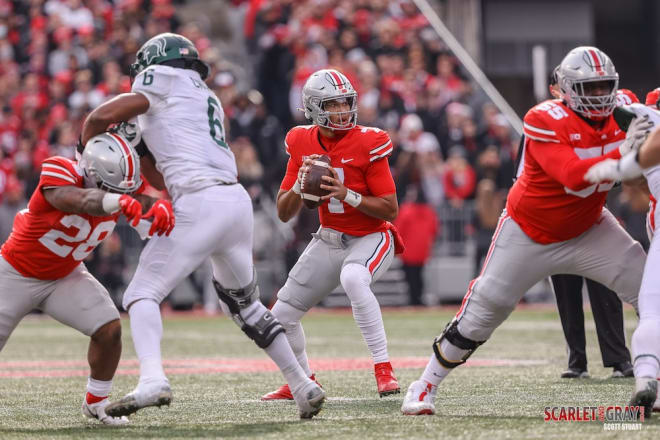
(454,155)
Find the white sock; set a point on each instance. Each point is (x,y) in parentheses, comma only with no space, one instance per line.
(279,350)
(290,318)
(646,347)
(99,388)
(356,279)
(147,331)
(435,372)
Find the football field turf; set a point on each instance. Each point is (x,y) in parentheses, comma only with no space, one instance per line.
(218,375)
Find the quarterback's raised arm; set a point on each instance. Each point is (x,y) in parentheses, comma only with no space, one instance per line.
(118,109)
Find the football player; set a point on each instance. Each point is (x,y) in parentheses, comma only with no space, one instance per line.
(181,122)
(645,346)
(74,208)
(554,220)
(355,244)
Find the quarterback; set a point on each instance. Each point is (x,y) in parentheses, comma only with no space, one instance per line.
(74,208)
(554,220)
(181,123)
(356,243)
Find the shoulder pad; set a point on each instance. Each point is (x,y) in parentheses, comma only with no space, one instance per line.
(545,121)
(60,170)
(294,135)
(378,143)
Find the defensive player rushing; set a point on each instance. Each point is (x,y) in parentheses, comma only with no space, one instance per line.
(356,243)
(645,340)
(181,121)
(554,220)
(74,208)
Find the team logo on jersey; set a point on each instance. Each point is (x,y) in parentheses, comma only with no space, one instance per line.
(155,50)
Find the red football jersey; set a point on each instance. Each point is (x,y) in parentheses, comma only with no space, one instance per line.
(46,243)
(360,159)
(551,201)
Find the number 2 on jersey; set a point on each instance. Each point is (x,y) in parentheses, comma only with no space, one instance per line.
(83,249)
(217,131)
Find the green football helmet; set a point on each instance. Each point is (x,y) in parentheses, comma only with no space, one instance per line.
(169,49)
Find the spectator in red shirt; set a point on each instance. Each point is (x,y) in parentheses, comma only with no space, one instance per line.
(418,225)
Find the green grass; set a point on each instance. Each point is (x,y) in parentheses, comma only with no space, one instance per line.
(473,402)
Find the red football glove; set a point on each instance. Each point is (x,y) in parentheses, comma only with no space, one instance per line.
(163,218)
(131,208)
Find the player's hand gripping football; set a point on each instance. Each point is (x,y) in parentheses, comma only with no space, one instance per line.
(334,185)
(163,218)
(637,132)
(131,208)
(302,170)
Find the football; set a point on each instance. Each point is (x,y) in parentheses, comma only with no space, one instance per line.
(310,187)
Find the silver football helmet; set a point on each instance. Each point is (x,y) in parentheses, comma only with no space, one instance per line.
(582,66)
(110,163)
(322,87)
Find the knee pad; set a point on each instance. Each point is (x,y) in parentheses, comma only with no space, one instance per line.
(238,299)
(266,327)
(452,335)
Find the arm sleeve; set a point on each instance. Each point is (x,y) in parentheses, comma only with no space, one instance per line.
(379,178)
(290,176)
(561,163)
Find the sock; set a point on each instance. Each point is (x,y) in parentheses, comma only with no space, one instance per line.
(147,331)
(356,279)
(97,390)
(646,347)
(290,318)
(435,372)
(279,350)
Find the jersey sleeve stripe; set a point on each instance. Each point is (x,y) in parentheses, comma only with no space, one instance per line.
(377,149)
(542,139)
(58,175)
(539,130)
(52,166)
(380,156)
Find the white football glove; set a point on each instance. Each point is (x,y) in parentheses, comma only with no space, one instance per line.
(614,170)
(129,131)
(637,132)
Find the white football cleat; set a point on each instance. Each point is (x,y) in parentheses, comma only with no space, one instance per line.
(97,411)
(153,394)
(419,399)
(646,393)
(309,397)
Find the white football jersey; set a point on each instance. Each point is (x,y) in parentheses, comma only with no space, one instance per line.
(652,174)
(184,130)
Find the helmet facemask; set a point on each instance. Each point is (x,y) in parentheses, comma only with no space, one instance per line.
(338,120)
(596,107)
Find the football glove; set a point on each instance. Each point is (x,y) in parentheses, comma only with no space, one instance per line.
(163,218)
(131,208)
(614,170)
(637,132)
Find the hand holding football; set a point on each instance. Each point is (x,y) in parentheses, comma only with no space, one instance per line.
(310,186)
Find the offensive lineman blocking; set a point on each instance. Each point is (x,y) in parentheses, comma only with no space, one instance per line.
(554,220)
(182,123)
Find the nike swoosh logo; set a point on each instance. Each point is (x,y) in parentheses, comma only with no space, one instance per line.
(346,160)
(616,132)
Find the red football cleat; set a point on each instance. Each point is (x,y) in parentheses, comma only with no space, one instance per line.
(385,379)
(284,392)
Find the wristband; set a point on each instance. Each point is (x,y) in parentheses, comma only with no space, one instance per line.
(628,166)
(110,203)
(296,187)
(353,198)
